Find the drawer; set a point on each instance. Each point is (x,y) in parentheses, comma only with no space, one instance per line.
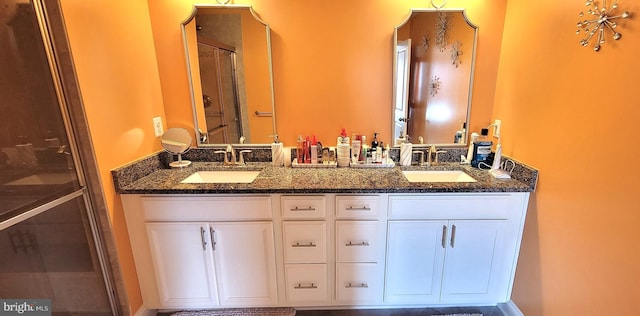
(357,241)
(201,208)
(456,206)
(310,206)
(348,206)
(304,242)
(359,282)
(306,283)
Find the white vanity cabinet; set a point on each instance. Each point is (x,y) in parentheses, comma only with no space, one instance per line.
(200,252)
(453,248)
(322,250)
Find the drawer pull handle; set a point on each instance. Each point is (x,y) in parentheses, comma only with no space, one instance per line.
(298,245)
(361,285)
(305,287)
(351,244)
(306,209)
(363,208)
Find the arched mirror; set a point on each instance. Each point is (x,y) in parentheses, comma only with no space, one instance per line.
(434,58)
(228,51)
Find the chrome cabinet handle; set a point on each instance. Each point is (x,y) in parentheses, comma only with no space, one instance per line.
(306,209)
(453,236)
(363,208)
(213,239)
(444,236)
(299,245)
(204,240)
(305,287)
(361,285)
(351,244)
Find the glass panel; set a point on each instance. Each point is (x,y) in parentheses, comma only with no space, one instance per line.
(52,256)
(35,161)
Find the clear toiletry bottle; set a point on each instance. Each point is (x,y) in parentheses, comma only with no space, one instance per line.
(300,150)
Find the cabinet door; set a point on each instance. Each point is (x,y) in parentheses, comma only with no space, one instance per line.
(415,255)
(245,263)
(473,262)
(183,264)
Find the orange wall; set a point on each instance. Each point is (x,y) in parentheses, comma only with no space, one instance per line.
(573,113)
(332,62)
(113,51)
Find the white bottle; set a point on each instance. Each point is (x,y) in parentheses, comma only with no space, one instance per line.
(343,151)
(277,152)
(406,150)
(474,138)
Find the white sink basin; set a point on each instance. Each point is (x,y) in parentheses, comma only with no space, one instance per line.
(437,176)
(219,176)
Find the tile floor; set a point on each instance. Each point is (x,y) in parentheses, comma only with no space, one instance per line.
(484,310)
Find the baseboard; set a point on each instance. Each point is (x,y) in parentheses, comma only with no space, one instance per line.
(142,311)
(510,309)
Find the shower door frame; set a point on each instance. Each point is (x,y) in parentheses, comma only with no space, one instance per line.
(89,198)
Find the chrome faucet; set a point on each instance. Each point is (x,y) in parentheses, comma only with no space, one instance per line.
(230,151)
(433,152)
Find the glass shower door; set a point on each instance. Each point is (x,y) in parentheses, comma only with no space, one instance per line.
(49,241)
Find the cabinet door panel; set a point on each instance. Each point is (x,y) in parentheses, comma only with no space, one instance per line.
(415,256)
(245,263)
(472,261)
(183,264)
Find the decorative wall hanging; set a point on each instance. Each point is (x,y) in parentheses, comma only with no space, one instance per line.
(434,86)
(442,26)
(598,19)
(438,6)
(425,41)
(456,52)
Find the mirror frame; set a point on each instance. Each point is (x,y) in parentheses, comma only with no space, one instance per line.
(190,74)
(471,77)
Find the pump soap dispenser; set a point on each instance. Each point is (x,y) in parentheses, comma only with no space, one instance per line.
(277,152)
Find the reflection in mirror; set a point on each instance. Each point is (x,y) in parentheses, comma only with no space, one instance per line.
(228,53)
(434,57)
(177,141)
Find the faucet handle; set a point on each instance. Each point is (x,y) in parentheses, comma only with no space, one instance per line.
(241,160)
(224,153)
(439,152)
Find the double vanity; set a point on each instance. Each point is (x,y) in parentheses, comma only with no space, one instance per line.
(322,238)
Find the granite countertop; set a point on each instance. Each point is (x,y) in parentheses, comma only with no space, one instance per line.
(148,178)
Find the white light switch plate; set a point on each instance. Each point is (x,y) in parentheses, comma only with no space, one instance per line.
(157,126)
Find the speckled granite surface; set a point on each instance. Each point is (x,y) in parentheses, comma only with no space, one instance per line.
(151,176)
